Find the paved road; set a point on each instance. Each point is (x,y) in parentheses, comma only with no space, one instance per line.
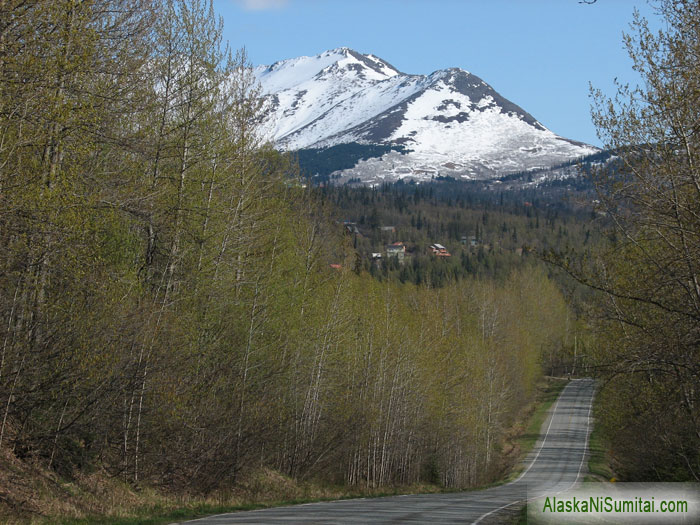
(556,463)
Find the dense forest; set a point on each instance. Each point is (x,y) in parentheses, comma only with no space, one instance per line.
(487,234)
(169,315)
(319,163)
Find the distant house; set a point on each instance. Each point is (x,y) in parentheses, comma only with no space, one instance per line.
(397,249)
(390,229)
(439,250)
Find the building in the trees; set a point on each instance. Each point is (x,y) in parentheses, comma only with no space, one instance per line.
(439,250)
(398,250)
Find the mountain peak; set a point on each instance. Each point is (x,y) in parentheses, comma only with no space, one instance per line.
(343,50)
(458,71)
(351,59)
(341,61)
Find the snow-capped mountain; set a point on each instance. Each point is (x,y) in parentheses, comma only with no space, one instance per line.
(452,122)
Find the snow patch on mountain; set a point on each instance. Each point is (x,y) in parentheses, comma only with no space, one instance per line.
(453,122)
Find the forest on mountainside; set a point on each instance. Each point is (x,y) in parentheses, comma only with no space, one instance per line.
(168,313)
(488,234)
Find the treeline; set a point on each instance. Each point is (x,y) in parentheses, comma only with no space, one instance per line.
(168,312)
(579,173)
(319,163)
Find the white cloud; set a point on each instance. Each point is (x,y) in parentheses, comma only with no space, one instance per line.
(259,5)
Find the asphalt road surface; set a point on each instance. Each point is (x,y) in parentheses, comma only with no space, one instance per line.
(556,464)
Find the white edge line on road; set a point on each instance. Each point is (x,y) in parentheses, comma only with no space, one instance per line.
(538,455)
(588,435)
(585,448)
(545,437)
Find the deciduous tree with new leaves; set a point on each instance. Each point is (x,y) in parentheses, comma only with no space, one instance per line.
(649,275)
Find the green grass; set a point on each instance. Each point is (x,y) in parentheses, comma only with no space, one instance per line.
(157,515)
(599,462)
(526,441)
(549,396)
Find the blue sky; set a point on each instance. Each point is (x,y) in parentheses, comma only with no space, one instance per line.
(540,54)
